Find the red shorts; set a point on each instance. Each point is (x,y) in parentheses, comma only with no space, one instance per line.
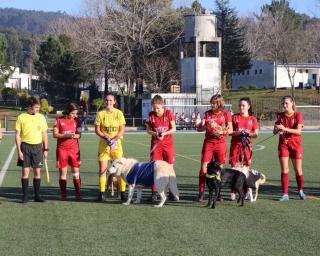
(217,151)
(289,150)
(163,152)
(240,154)
(67,157)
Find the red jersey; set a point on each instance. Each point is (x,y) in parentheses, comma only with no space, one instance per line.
(241,123)
(65,126)
(161,124)
(212,123)
(290,122)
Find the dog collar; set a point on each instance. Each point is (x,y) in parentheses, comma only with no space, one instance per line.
(213,176)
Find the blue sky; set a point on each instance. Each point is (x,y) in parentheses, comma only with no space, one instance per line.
(310,7)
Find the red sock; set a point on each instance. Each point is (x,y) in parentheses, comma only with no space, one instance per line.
(202,181)
(300,181)
(63,188)
(77,186)
(153,189)
(285,182)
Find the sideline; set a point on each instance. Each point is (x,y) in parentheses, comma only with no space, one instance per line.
(6,165)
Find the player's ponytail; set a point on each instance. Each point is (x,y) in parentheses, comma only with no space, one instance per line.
(248,100)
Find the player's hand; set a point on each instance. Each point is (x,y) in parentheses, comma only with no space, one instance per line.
(107,139)
(280,127)
(45,154)
(160,136)
(21,156)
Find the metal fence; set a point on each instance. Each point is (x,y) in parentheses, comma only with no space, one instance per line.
(311,115)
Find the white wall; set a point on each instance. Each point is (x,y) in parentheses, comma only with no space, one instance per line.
(261,75)
(20,80)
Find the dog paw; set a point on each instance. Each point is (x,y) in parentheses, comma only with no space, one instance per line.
(137,202)
(158,205)
(126,203)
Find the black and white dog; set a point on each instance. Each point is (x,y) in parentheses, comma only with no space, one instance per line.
(217,178)
(237,179)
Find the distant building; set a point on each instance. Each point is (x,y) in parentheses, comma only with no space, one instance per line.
(20,81)
(200,57)
(262,75)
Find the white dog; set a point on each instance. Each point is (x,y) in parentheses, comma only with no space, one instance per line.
(138,174)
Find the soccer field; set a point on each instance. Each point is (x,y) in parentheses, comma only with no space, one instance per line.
(265,227)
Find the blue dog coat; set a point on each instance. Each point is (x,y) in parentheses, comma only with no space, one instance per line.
(141,174)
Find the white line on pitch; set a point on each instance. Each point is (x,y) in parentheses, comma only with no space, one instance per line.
(6,164)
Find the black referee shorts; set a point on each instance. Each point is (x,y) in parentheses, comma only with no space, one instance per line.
(32,155)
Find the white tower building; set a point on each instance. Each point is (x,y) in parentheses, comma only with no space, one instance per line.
(200,57)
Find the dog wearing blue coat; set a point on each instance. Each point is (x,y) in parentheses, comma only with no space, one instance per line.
(139,174)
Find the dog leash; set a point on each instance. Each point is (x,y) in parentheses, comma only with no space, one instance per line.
(256,144)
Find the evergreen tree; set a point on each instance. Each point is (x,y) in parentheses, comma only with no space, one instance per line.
(5,70)
(60,67)
(235,58)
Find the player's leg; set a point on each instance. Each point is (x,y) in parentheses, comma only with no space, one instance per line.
(296,158)
(103,165)
(63,182)
(25,164)
(283,152)
(62,163)
(74,162)
(206,157)
(36,164)
(116,154)
(156,154)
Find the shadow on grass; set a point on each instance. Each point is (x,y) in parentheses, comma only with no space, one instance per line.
(188,193)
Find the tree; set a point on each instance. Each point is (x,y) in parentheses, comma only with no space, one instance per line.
(59,66)
(5,70)
(122,35)
(235,57)
(281,27)
(197,7)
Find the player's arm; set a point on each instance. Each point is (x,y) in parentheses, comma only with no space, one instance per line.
(98,131)
(254,134)
(150,131)
(172,128)
(229,128)
(45,143)
(296,131)
(58,135)
(200,125)
(18,144)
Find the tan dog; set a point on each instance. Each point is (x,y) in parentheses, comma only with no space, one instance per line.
(137,174)
(112,183)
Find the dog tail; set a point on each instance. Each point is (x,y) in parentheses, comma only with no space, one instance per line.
(173,185)
(264,179)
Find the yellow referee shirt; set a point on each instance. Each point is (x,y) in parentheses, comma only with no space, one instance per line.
(31,127)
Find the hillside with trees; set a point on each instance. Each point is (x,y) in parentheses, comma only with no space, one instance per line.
(36,22)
